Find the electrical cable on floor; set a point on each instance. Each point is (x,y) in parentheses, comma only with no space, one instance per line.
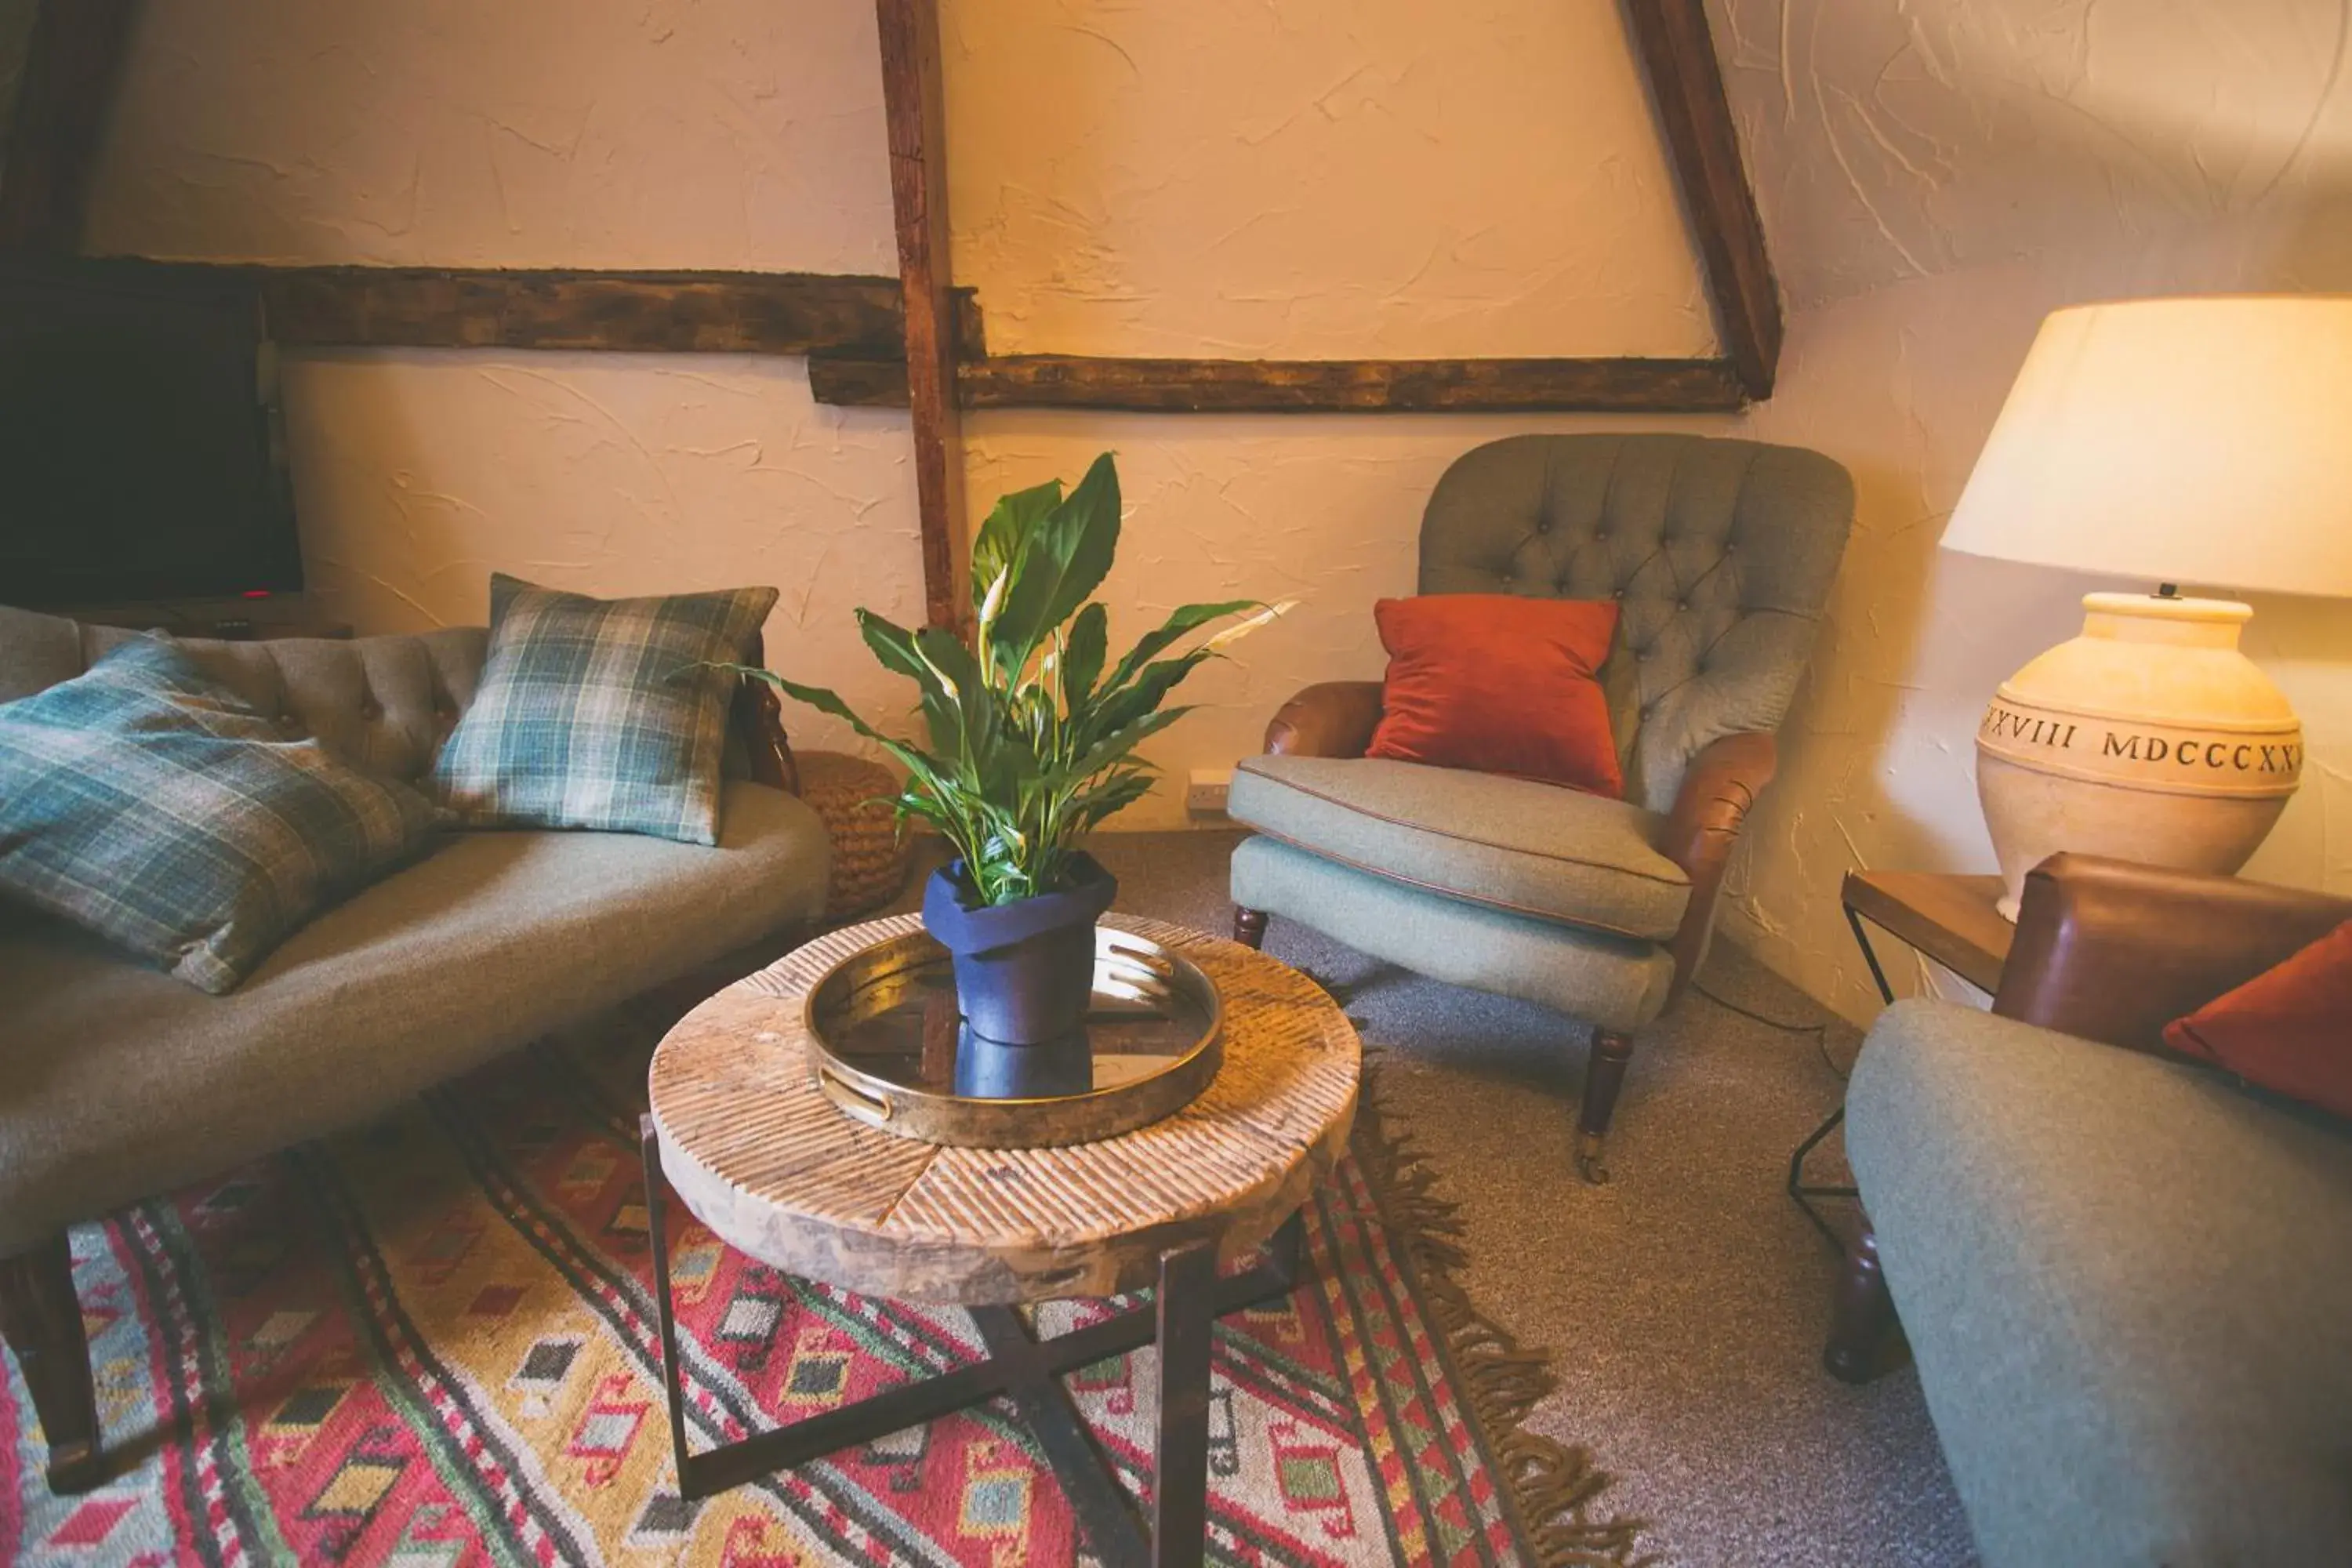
(1820,1031)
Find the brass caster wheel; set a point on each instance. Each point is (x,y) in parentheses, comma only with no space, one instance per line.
(1588,1159)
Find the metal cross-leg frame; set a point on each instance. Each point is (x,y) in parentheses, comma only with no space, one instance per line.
(1191,1298)
(1800,1190)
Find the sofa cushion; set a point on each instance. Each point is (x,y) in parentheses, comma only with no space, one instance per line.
(1533,849)
(597,714)
(154,806)
(117,1082)
(2126,1283)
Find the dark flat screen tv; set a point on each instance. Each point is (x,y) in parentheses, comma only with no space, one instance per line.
(140,450)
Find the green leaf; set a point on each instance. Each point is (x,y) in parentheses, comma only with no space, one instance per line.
(893,645)
(1186,619)
(996,548)
(1069,552)
(1082,657)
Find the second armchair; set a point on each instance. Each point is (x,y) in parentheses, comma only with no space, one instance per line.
(1721,554)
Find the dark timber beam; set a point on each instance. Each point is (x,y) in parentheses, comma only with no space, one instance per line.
(611,312)
(1687,85)
(914,114)
(73,57)
(1304,387)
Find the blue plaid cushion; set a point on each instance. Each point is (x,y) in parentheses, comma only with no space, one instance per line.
(597,714)
(152,804)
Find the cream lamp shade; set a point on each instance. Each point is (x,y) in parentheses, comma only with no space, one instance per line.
(2200,441)
(2203,441)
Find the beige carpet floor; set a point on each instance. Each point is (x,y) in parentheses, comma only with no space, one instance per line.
(1683,1305)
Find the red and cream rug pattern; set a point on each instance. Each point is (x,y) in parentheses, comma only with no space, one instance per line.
(431,1343)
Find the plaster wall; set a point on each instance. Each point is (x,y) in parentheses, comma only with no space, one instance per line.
(1225,178)
(1934,178)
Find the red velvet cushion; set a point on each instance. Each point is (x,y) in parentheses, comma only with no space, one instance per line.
(1499,684)
(2288,1029)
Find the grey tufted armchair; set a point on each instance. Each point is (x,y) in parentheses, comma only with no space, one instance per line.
(1721,553)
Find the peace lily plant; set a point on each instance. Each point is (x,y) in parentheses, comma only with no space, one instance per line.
(1033,731)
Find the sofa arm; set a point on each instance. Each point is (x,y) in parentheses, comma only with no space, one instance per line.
(2113,950)
(1721,785)
(1334,719)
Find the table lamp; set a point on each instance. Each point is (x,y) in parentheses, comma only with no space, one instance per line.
(2198,441)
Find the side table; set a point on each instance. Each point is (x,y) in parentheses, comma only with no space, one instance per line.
(741,1132)
(1949,919)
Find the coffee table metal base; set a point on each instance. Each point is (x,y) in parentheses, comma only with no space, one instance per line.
(1192,1295)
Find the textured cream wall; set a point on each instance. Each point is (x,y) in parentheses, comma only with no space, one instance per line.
(1238,178)
(1935,178)
(1225,178)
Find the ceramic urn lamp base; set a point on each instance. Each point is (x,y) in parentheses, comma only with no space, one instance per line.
(2149,737)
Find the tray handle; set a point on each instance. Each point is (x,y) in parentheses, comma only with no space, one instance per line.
(851,1099)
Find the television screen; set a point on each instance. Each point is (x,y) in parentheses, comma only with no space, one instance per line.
(139,450)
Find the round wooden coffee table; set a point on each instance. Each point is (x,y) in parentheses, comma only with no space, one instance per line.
(740,1131)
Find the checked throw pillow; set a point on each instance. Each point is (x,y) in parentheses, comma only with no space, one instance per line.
(598,713)
(149,804)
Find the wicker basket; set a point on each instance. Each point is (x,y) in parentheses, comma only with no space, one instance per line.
(869,860)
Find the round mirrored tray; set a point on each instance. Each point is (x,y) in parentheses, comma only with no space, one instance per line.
(889,1048)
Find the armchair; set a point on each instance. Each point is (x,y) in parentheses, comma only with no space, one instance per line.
(1721,554)
(2126,1278)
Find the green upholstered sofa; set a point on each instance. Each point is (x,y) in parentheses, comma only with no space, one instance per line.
(1721,555)
(2127,1280)
(118,1081)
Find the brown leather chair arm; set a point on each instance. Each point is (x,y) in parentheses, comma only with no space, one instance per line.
(1721,785)
(1334,719)
(2113,950)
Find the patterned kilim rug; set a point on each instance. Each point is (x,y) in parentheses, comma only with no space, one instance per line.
(431,1341)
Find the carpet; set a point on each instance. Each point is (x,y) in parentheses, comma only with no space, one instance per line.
(430,1341)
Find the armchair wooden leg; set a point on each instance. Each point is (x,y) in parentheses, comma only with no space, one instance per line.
(1604,1076)
(1861,1315)
(1249,927)
(41,1320)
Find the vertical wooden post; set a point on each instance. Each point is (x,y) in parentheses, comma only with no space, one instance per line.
(1678,51)
(914,109)
(71,63)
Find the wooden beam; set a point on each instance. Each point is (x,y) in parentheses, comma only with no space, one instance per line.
(73,58)
(1304,387)
(1677,53)
(613,312)
(914,114)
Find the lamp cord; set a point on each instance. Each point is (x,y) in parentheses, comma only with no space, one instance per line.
(1820,1032)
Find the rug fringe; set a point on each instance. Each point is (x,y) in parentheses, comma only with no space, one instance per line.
(1552,1485)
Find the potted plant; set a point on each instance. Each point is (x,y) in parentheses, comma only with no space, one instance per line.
(1032,737)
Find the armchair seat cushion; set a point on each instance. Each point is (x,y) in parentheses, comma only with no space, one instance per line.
(1529,848)
(118,1081)
(2127,1282)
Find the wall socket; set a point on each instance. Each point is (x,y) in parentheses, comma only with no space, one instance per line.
(1205,790)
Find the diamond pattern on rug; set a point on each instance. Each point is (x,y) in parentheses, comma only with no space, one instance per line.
(432,1343)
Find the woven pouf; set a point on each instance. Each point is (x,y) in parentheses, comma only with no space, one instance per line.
(852,796)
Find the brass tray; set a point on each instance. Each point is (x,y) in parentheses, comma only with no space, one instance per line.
(887,1046)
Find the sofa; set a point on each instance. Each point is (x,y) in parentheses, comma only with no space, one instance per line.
(2126,1278)
(118,1081)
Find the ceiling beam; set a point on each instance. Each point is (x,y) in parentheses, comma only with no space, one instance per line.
(1302,386)
(915,120)
(73,57)
(1678,52)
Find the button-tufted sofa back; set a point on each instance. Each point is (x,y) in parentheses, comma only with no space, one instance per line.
(382,703)
(1720,553)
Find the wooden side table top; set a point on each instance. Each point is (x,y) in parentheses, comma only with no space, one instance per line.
(765,1161)
(1951,919)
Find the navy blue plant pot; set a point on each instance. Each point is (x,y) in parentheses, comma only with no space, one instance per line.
(1025,971)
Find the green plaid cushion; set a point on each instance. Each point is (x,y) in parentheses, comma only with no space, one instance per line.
(152,805)
(597,714)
